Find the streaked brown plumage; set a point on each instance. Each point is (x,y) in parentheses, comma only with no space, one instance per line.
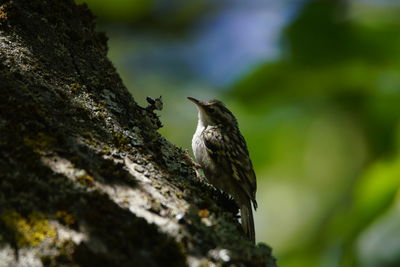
(221,150)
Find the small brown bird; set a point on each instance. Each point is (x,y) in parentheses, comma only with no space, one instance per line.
(221,150)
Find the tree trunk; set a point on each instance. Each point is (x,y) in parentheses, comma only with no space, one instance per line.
(86,180)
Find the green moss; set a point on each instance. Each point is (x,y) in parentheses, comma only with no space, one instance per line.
(121,141)
(75,87)
(85,180)
(39,142)
(88,135)
(65,217)
(106,150)
(3,15)
(30,231)
(4,11)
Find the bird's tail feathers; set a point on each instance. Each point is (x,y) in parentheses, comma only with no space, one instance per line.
(246,213)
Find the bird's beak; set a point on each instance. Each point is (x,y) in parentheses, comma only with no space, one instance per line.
(194,100)
(201,108)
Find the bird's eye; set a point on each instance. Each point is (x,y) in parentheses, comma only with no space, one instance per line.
(211,110)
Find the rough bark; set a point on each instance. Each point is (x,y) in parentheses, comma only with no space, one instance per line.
(85,179)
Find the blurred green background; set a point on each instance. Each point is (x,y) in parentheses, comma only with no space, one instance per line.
(316,89)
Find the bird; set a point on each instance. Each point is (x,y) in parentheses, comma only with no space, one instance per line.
(221,150)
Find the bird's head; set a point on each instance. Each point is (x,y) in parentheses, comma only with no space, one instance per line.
(213,112)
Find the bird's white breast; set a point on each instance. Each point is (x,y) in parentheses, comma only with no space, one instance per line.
(198,144)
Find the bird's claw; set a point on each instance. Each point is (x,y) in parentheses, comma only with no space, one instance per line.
(196,165)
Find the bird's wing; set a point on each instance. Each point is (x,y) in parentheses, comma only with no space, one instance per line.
(229,150)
